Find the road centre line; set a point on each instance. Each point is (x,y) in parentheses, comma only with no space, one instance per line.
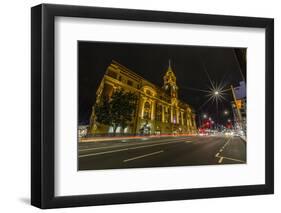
(126,149)
(222,148)
(142,156)
(226,143)
(221,158)
(116,146)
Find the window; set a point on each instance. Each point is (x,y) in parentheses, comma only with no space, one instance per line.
(167,115)
(158,112)
(112,74)
(146,105)
(148,92)
(146,114)
(130,83)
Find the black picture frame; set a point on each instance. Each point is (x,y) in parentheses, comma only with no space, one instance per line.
(43,102)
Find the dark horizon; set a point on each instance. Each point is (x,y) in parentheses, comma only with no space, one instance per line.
(150,61)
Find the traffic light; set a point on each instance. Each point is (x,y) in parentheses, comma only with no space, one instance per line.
(238,104)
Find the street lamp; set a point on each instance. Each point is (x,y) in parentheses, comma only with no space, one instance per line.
(204,116)
(226,112)
(216,92)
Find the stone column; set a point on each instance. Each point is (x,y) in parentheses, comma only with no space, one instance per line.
(152,110)
(177,116)
(172,114)
(191,124)
(142,106)
(188,122)
(194,122)
(163,113)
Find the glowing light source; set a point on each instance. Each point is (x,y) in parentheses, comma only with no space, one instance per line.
(215,93)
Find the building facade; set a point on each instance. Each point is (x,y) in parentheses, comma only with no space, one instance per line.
(239,107)
(158,109)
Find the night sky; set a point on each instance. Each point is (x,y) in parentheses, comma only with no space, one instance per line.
(151,62)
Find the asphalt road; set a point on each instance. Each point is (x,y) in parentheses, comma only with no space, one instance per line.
(161,152)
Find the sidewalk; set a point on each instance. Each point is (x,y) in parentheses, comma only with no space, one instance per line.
(244,138)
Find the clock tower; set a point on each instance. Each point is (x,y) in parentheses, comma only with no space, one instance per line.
(170,85)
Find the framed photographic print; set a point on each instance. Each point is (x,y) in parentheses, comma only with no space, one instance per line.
(139,106)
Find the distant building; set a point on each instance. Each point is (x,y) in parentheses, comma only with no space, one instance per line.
(240,107)
(158,110)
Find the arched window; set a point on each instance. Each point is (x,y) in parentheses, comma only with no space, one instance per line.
(167,115)
(146,105)
(146,110)
(148,92)
(158,112)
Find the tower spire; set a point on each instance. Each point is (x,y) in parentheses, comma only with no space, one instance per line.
(170,84)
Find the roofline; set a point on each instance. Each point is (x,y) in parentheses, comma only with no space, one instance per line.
(157,87)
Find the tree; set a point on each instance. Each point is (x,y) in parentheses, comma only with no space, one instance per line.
(116,111)
(102,111)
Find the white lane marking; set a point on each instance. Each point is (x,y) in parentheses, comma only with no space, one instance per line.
(144,139)
(223,157)
(102,153)
(233,159)
(220,160)
(142,156)
(188,141)
(228,158)
(116,146)
(226,143)
(222,148)
(126,149)
(158,144)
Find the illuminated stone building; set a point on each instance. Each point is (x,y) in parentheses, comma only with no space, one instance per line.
(158,110)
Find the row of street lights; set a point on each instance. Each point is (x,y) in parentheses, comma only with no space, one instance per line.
(225,112)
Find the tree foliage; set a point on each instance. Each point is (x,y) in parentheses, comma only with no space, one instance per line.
(102,110)
(116,111)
